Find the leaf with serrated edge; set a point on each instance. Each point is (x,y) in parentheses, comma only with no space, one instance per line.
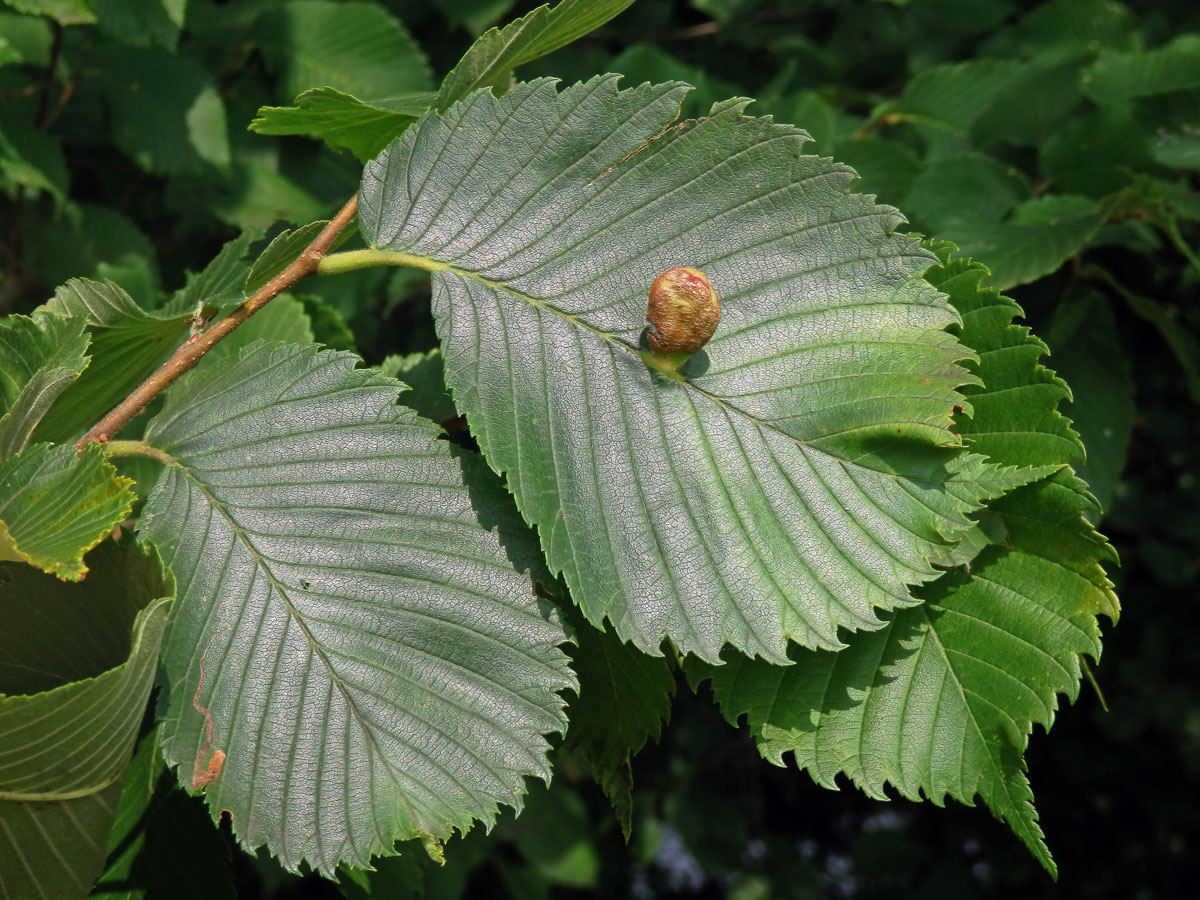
(426,394)
(68,725)
(280,253)
(803,475)
(943,699)
(128,343)
(219,282)
(1016,417)
(500,50)
(374,667)
(39,358)
(55,506)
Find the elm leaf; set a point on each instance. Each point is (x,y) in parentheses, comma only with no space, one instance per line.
(352,613)
(943,699)
(56,505)
(798,475)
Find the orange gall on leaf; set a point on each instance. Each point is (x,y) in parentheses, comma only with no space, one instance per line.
(683,311)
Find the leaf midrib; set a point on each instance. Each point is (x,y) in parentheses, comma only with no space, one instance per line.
(317,650)
(263,562)
(1025,826)
(357,258)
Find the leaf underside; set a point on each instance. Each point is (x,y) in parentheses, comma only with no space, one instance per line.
(374,666)
(802,475)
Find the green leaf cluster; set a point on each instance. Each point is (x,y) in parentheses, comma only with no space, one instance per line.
(856,518)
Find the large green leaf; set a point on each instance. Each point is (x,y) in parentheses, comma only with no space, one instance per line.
(76,667)
(939,702)
(801,474)
(39,358)
(496,53)
(624,696)
(127,344)
(1016,415)
(374,667)
(943,699)
(55,506)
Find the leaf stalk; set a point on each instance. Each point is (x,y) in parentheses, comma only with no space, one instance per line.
(349,260)
(138,448)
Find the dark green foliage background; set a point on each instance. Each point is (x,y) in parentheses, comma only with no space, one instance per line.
(103,176)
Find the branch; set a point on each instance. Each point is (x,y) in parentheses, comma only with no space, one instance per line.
(193,350)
